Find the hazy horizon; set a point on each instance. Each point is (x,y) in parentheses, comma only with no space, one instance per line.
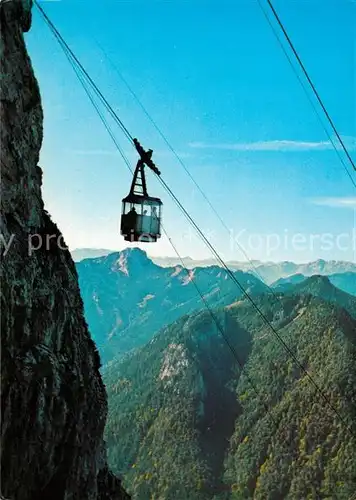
(184,257)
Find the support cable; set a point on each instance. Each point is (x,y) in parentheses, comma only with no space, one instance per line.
(92,83)
(291,45)
(255,306)
(207,306)
(179,159)
(307,94)
(223,335)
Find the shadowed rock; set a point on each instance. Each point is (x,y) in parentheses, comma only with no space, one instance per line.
(53,401)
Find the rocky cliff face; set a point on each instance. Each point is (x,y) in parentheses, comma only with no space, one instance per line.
(53,399)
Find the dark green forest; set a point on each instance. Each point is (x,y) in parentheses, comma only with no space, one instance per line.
(189,421)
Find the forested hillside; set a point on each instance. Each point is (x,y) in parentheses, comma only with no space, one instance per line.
(192,426)
(321,286)
(301,448)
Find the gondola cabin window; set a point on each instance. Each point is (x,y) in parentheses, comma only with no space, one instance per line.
(141,219)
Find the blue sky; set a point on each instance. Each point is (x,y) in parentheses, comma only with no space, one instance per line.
(213,77)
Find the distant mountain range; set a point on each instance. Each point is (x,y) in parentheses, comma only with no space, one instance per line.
(186,422)
(89,253)
(127,297)
(269,272)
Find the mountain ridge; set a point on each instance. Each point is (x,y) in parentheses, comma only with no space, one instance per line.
(268,271)
(128,297)
(123,313)
(321,286)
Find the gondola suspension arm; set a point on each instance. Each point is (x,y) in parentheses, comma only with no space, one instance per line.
(146,157)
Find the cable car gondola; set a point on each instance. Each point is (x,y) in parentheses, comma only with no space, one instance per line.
(141,213)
